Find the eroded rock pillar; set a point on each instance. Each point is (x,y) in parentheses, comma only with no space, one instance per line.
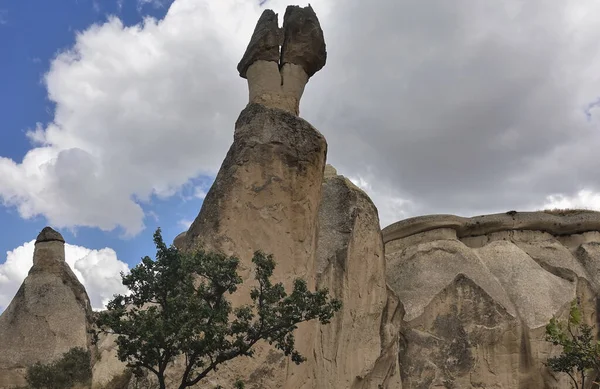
(266,194)
(49,315)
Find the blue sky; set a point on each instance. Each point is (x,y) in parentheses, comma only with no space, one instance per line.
(31,34)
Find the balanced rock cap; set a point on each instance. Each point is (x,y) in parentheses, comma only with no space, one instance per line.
(264,44)
(303,42)
(49,235)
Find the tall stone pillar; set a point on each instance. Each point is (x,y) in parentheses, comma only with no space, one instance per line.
(266,194)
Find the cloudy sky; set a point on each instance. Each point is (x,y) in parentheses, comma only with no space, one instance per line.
(116,114)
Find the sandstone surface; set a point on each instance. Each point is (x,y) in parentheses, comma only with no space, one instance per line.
(437,301)
(478,293)
(266,196)
(277,79)
(351,264)
(48,316)
(267,192)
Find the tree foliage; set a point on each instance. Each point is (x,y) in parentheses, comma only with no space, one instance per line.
(72,368)
(580,351)
(178,306)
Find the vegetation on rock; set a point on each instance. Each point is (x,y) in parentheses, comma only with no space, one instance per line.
(178,307)
(130,380)
(580,356)
(74,367)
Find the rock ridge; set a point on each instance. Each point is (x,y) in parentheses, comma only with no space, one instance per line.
(557,225)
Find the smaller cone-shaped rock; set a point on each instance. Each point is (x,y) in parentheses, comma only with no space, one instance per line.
(48,316)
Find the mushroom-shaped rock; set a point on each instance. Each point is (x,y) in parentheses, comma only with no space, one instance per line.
(277,79)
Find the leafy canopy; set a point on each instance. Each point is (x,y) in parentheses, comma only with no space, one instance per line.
(178,306)
(580,351)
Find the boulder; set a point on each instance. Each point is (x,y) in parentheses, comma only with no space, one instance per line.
(49,315)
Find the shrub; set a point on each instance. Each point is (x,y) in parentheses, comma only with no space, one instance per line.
(72,368)
(580,354)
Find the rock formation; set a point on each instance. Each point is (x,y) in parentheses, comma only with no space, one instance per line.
(277,79)
(266,194)
(435,301)
(478,292)
(356,350)
(48,316)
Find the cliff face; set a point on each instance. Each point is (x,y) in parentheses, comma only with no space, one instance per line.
(478,293)
(266,194)
(48,316)
(357,349)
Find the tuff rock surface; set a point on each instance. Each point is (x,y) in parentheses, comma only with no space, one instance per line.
(437,301)
(266,196)
(356,349)
(277,78)
(48,316)
(478,293)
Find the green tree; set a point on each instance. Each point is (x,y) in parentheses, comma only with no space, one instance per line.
(178,306)
(73,367)
(580,351)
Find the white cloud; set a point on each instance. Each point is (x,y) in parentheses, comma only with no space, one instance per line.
(185,224)
(199,192)
(98,270)
(139,111)
(390,206)
(584,199)
(441,107)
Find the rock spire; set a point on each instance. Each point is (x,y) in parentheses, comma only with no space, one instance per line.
(279,61)
(49,315)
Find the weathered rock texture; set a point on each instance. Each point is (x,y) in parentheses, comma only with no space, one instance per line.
(351,264)
(106,365)
(450,302)
(277,79)
(48,316)
(478,292)
(266,196)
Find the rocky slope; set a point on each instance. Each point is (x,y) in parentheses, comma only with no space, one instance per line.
(48,316)
(478,292)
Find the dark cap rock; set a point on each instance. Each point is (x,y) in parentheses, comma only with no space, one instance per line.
(303,41)
(49,235)
(264,44)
